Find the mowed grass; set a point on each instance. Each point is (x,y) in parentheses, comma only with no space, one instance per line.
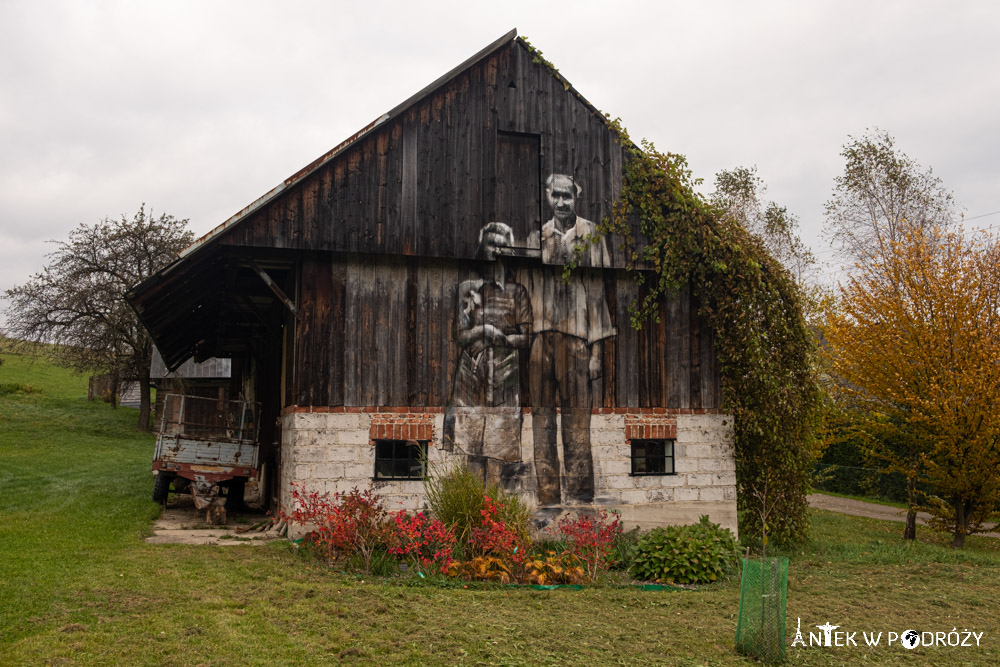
(79,586)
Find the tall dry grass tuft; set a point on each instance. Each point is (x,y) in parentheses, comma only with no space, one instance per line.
(456,498)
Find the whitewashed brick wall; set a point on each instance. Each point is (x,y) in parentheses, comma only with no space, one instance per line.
(333,452)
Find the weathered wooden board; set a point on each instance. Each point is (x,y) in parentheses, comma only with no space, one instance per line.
(381,330)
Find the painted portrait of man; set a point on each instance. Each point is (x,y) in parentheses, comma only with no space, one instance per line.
(570,322)
(566,234)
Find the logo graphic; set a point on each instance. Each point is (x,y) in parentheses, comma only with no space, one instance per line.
(827,632)
(828,636)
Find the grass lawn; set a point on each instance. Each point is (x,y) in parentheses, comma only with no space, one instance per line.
(78,584)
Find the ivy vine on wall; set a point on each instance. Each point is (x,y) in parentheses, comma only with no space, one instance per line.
(764,347)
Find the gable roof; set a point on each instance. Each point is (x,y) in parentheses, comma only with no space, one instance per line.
(331,154)
(206,265)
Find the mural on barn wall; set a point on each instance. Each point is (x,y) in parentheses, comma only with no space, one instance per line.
(534,322)
(493,330)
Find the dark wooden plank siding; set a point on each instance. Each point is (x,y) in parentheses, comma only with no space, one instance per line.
(399,388)
(446,349)
(407,223)
(518,184)
(383,333)
(379,330)
(334,334)
(679,348)
(434,365)
(424,182)
(353,354)
(413,354)
(365,337)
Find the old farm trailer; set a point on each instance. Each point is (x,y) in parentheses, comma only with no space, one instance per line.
(207,445)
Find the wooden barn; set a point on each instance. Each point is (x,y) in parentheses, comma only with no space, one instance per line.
(401,299)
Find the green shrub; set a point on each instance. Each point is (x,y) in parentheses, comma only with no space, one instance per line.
(694,554)
(457,498)
(381,563)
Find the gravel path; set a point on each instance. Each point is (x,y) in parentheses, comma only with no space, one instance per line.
(869,510)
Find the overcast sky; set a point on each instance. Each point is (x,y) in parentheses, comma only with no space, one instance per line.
(198,108)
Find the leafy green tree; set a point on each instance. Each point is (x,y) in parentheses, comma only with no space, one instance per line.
(78,300)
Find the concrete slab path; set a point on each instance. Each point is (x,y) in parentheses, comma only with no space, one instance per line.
(182,523)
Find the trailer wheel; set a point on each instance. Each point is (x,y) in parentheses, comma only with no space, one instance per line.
(234,495)
(161,488)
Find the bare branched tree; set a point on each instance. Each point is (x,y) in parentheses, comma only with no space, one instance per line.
(78,299)
(740,193)
(882,196)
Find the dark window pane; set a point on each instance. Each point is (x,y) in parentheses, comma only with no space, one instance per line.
(397,459)
(383,449)
(652,457)
(400,450)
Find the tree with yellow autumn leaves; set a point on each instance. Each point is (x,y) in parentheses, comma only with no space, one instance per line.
(914,345)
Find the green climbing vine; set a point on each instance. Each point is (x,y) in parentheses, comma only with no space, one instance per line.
(764,348)
(539,59)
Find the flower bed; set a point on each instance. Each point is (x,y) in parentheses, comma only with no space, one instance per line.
(488,539)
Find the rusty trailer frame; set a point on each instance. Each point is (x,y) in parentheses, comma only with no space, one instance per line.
(207,441)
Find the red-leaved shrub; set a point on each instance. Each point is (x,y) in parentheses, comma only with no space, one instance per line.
(344,524)
(591,539)
(423,541)
(493,537)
